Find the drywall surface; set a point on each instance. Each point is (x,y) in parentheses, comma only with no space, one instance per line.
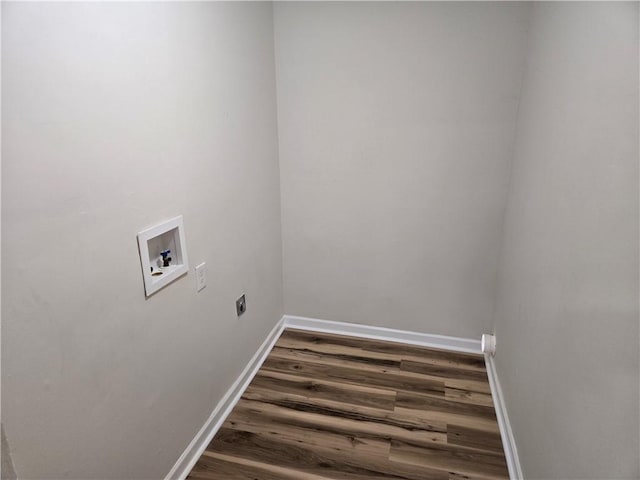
(396,125)
(567,310)
(116,116)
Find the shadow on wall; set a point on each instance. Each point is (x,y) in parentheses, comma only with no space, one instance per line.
(8,472)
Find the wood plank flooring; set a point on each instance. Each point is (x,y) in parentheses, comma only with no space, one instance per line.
(328,407)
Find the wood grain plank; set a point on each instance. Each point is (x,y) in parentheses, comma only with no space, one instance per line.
(471,386)
(442,371)
(335,465)
(325,345)
(325,389)
(478,439)
(416,401)
(393,350)
(334,417)
(347,372)
(216,466)
(463,420)
(451,461)
(320,438)
(467,396)
(356,361)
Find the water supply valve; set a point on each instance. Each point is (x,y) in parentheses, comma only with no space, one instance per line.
(166,259)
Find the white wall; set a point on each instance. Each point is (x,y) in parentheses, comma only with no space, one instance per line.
(116,116)
(396,124)
(567,321)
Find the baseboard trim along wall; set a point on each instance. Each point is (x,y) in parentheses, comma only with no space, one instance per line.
(508,440)
(219,414)
(457,344)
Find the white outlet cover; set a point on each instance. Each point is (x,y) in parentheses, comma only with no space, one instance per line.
(201,276)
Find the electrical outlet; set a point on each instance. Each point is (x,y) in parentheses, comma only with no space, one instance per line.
(241,305)
(201,276)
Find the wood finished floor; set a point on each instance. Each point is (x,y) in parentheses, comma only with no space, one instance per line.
(332,407)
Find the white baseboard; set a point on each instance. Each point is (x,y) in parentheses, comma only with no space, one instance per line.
(199,443)
(508,440)
(457,344)
(192,453)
